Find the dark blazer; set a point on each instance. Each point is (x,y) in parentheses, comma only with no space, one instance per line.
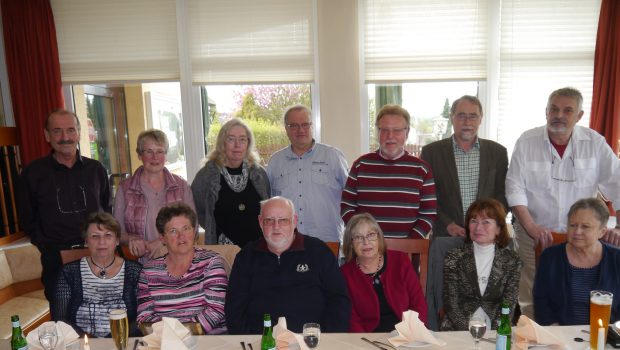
(491,183)
(461,292)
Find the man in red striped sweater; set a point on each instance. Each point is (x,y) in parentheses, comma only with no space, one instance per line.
(395,187)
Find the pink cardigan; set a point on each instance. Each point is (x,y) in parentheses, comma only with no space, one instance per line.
(400,285)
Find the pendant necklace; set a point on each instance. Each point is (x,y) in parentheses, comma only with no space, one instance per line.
(373,276)
(102,271)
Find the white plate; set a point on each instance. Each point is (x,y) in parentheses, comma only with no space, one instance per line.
(415,344)
(534,345)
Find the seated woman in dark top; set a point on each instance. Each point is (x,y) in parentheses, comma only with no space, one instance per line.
(89,288)
(484,272)
(382,283)
(567,272)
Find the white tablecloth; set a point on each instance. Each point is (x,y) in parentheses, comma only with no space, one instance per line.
(345,341)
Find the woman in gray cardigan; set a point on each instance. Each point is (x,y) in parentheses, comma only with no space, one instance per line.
(228,189)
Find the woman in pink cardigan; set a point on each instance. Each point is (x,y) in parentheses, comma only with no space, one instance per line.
(382,283)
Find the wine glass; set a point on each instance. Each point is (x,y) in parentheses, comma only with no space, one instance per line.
(477,327)
(312,334)
(48,336)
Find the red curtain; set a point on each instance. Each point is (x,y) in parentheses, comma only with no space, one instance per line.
(605,116)
(33,69)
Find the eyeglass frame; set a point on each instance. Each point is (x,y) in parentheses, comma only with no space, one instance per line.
(295,126)
(553,164)
(370,237)
(281,222)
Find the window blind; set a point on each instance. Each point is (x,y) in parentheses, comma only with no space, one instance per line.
(421,40)
(116,40)
(545,45)
(259,41)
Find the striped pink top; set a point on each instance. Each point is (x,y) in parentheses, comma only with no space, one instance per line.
(197,296)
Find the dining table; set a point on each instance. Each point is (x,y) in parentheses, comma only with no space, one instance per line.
(343,341)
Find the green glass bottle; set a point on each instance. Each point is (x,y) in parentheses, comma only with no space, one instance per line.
(18,342)
(267,342)
(504,330)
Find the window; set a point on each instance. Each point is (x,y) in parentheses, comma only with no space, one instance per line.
(428,105)
(260,106)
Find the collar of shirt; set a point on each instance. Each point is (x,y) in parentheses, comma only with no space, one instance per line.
(291,154)
(402,153)
(56,163)
(456,147)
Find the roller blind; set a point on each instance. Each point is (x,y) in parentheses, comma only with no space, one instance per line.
(545,45)
(259,41)
(421,40)
(116,40)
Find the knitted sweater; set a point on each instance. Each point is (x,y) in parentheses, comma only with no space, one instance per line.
(399,193)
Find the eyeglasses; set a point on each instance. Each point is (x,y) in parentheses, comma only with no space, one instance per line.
(371,237)
(295,127)
(231,140)
(176,231)
(153,153)
(74,200)
(271,222)
(469,117)
(395,131)
(560,171)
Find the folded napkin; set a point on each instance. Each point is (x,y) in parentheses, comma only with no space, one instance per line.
(285,338)
(411,329)
(168,333)
(529,332)
(66,335)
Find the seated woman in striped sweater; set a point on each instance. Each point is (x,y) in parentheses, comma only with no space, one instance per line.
(187,283)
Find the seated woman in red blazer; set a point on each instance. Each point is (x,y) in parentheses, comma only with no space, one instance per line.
(382,283)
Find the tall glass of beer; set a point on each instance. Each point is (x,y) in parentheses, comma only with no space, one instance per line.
(119,326)
(600,308)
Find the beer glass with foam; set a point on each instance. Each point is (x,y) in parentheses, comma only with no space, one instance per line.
(119,326)
(600,308)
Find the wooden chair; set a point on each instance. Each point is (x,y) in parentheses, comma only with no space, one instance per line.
(10,167)
(557,239)
(334,247)
(417,249)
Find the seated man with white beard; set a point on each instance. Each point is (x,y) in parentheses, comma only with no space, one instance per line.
(285,273)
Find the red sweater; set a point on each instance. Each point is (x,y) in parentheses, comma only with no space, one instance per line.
(400,286)
(399,193)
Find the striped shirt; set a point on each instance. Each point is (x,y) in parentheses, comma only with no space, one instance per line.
(582,282)
(99,296)
(468,170)
(197,296)
(399,193)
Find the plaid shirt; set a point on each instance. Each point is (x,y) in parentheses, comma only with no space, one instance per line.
(468,169)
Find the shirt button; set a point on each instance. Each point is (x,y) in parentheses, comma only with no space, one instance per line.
(299,169)
(299,181)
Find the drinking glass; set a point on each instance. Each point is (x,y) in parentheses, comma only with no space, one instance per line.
(477,327)
(312,334)
(600,312)
(48,335)
(119,327)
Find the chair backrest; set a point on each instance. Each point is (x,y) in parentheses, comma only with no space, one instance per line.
(70,255)
(557,239)
(227,251)
(417,249)
(334,247)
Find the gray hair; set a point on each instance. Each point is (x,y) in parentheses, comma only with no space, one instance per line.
(598,207)
(468,98)
(567,92)
(296,108)
(218,155)
(288,202)
(158,136)
(391,109)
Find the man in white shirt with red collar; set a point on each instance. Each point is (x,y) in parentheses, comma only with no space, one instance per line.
(552,167)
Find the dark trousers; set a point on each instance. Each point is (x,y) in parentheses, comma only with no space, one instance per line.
(51,264)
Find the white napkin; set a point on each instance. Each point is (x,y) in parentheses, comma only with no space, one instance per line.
(66,335)
(411,329)
(285,338)
(529,332)
(168,333)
